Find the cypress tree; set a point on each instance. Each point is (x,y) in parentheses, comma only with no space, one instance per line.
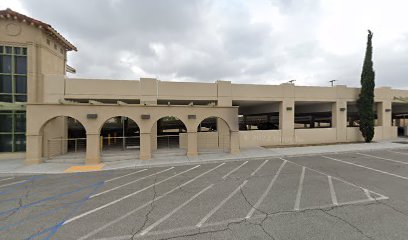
(365,103)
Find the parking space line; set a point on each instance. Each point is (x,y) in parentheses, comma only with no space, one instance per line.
(386,159)
(403,153)
(174,211)
(369,168)
(5,179)
(146,204)
(206,217)
(128,183)
(233,170)
(260,166)
(332,192)
(127,196)
(299,192)
(13,183)
(367,193)
(264,194)
(126,175)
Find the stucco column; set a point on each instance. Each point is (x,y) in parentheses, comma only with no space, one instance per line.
(287,121)
(145,146)
(384,118)
(339,120)
(234,142)
(93,149)
(192,144)
(154,137)
(33,149)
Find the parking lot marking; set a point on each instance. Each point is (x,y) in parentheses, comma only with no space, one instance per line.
(206,217)
(299,192)
(126,175)
(174,211)
(367,193)
(264,194)
(125,197)
(233,170)
(5,179)
(386,159)
(260,166)
(128,183)
(332,192)
(369,168)
(403,153)
(146,204)
(13,183)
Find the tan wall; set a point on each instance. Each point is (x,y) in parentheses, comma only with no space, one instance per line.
(315,136)
(53,134)
(205,140)
(259,138)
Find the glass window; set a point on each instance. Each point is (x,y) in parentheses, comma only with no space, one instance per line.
(20,65)
(21,84)
(5,84)
(6,98)
(20,122)
(19,143)
(6,123)
(17,50)
(1,49)
(5,64)
(20,98)
(24,51)
(6,143)
(8,50)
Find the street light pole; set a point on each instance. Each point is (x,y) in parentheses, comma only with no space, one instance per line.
(332,82)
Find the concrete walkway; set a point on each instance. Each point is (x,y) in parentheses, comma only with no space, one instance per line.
(172,158)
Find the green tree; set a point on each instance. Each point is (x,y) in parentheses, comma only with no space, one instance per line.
(365,103)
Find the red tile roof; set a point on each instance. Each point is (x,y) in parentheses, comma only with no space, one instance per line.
(10,14)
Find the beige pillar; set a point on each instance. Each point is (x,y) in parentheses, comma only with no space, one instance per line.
(192,144)
(93,149)
(33,149)
(234,142)
(145,146)
(154,137)
(384,119)
(339,119)
(224,92)
(287,121)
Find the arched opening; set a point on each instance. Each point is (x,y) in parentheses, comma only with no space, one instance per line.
(213,133)
(119,134)
(64,139)
(170,132)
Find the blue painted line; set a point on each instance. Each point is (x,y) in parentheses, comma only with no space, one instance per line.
(53,229)
(45,200)
(15,187)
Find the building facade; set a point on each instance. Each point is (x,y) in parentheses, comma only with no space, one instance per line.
(46,114)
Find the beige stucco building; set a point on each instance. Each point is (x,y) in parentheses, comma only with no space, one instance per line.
(140,117)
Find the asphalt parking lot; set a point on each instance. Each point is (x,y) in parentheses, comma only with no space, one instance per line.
(353,195)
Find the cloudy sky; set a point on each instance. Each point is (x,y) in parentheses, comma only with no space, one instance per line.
(244,41)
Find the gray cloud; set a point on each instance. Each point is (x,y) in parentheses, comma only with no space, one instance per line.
(265,41)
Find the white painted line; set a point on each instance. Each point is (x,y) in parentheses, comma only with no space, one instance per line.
(367,193)
(332,192)
(126,175)
(300,189)
(261,199)
(369,168)
(339,179)
(233,170)
(125,197)
(386,159)
(146,204)
(128,183)
(174,211)
(206,217)
(403,153)
(13,183)
(5,179)
(260,166)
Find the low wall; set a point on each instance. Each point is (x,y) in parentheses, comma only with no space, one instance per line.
(380,133)
(315,135)
(207,140)
(260,138)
